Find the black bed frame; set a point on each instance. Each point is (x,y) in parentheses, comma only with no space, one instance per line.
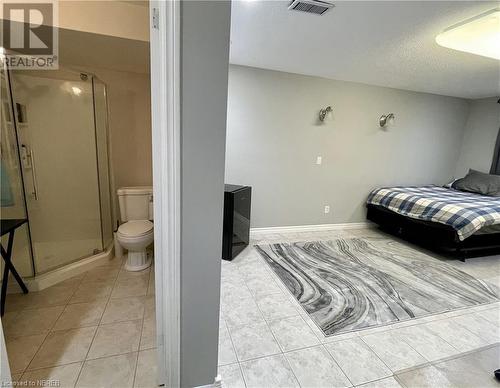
(439,237)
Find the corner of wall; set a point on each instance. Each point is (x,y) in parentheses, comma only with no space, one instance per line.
(480,133)
(457,172)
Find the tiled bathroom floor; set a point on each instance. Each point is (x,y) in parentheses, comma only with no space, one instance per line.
(94,330)
(267,340)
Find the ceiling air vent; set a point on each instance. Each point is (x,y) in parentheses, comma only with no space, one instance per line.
(316,7)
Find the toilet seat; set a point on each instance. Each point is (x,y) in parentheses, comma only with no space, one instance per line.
(135,228)
(135,236)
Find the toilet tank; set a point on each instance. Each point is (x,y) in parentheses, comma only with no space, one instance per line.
(136,203)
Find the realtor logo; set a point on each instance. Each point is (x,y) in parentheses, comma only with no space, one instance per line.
(29,35)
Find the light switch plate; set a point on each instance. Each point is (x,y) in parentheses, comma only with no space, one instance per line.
(319,160)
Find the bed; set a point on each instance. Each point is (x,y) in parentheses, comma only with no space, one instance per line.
(462,224)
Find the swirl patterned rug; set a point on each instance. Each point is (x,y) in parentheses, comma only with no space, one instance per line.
(351,284)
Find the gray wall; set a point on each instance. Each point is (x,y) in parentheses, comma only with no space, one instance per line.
(480,136)
(273,139)
(204,66)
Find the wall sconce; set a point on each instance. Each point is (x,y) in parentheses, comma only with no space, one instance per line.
(385,119)
(324,112)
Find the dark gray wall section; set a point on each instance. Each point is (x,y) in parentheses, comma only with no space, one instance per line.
(480,136)
(273,139)
(205,29)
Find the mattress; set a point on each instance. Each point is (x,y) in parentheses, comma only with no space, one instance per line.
(467,213)
(492,229)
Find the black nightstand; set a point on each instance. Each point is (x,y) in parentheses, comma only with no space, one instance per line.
(236,231)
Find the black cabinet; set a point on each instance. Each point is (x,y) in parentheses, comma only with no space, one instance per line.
(236,230)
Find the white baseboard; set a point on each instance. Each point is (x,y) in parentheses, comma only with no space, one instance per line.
(217,383)
(310,228)
(61,274)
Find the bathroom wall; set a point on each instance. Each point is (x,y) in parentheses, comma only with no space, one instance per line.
(274,138)
(129,101)
(124,19)
(480,136)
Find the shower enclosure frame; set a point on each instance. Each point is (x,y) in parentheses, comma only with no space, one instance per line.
(111,185)
(105,241)
(13,117)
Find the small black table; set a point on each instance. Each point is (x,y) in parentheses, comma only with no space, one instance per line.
(236,227)
(9,226)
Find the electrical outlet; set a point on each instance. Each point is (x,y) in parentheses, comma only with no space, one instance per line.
(327,209)
(319,160)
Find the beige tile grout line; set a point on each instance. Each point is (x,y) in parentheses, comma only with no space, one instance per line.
(142,328)
(50,329)
(97,327)
(137,356)
(32,358)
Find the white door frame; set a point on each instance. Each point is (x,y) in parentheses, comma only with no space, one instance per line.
(165,110)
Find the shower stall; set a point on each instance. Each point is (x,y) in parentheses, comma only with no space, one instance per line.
(55,167)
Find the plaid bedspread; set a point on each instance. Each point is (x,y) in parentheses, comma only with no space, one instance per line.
(465,212)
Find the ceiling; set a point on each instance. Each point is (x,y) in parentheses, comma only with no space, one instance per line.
(386,43)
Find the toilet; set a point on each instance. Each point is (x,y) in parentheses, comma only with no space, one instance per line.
(135,233)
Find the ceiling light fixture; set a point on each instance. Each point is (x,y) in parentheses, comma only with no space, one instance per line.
(479,35)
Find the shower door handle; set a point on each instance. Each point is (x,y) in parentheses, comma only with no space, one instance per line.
(33,175)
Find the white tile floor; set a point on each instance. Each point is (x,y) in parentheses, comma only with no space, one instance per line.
(98,330)
(268,340)
(94,330)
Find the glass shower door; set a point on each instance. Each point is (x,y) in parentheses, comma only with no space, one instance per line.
(57,141)
(12,196)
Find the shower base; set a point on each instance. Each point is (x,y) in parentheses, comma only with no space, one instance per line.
(65,272)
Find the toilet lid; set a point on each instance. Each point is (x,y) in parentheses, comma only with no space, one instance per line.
(135,228)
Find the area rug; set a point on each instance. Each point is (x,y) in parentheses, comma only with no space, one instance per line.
(352,284)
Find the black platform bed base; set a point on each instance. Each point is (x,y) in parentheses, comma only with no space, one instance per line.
(437,237)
